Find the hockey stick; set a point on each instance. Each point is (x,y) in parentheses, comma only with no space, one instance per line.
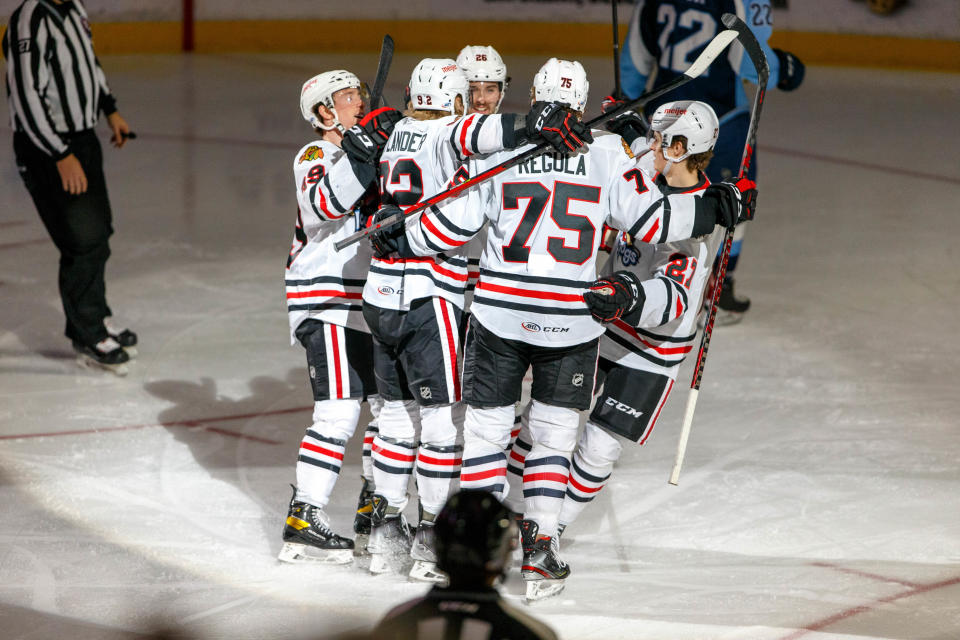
(752,47)
(383,68)
(617,90)
(713,49)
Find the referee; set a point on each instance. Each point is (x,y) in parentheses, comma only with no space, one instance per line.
(56,91)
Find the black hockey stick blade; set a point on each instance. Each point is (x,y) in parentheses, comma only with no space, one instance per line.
(383,68)
(720,42)
(759,60)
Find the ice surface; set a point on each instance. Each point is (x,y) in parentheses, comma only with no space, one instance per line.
(819,497)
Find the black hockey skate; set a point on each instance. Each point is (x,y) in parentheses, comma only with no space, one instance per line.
(542,567)
(730,308)
(106,354)
(307,537)
(424,554)
(390,538)
(124,337)
(361,521)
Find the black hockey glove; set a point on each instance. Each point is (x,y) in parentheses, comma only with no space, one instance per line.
(628,125)
(391,239)
(732,203)
(609,103)
(791,70)
(553,123)
(610,297)
(364,141)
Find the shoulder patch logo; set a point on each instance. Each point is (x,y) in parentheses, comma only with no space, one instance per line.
(626,148)
(311,153)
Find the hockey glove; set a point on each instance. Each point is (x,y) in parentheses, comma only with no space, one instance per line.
(561,129)
(609,103)
(391,239)
(791,70)
(364,141)
(732,203)
(628,125)
(610,297)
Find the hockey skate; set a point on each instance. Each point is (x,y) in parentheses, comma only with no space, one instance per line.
(730,308)
(106,354)
(307,537)
(124,337)
(361,521)
(389,543)
(542,569)
(424,556)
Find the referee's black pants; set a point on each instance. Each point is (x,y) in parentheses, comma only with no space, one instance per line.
(80,226)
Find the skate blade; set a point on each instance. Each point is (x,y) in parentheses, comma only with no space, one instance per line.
(426,571)
(86,362)
(540,589)
(381,563)
(304,554)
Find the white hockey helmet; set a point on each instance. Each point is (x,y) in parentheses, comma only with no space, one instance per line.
(695,121)
(562,81)
(435,83)
(320,89)
(482,64)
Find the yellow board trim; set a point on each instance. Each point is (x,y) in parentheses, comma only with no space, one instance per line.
(544,38)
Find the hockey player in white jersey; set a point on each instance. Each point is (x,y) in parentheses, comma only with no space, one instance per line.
(487,75)
(529,309)
(641,353)
(323,287)
(413,306)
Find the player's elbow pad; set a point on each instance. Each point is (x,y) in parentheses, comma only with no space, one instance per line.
(514,130)
(365,173)
(705,217)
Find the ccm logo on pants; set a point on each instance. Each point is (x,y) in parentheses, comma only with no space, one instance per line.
(619,406)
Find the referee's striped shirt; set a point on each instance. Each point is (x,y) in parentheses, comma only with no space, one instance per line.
(55,85)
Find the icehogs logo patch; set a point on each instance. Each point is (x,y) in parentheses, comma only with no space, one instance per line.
(627,254)
(310,154)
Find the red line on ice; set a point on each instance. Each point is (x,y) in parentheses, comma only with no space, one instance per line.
(869,606)
(23,243)
(855,572)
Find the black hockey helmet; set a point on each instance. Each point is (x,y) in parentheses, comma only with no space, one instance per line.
(475,535)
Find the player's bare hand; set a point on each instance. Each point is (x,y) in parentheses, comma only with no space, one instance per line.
(72,176)
(119,128)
